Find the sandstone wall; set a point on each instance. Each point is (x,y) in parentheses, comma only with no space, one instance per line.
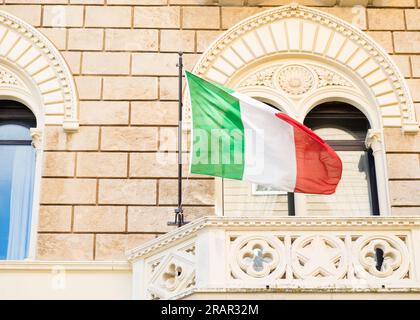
(102,190)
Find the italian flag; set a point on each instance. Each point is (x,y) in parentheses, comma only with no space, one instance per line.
(237,137)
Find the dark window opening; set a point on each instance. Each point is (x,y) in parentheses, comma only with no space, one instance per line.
(344,128)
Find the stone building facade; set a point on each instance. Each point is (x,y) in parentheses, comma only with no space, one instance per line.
(100,76)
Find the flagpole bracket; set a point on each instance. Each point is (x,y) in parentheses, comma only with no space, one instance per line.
(179,218)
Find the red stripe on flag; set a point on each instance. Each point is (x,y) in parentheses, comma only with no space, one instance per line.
(318,166)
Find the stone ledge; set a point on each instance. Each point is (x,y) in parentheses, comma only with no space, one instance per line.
(272,224)
(66,265)
(257,293)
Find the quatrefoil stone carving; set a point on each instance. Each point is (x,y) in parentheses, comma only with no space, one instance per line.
(257,257)
(383,257)
(172,276)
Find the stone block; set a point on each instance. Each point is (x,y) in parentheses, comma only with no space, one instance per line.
(193,17)
(63,16)
(104,112)
(138,2)
(403,63)
(68,191)
(73,60)
(131,40)
(129,139)
(130,88)
(157,17)
(86,39)
(160,164)
(415,66)
(177,40)
(233,15)
(393,3)
(58,36)
(106,63)
(54,219)
(386,19)
(404,193)
(155,219)
(59,164)
(353,15)
(407,42)
(145,64)
(403,166)
(108,17)
(114,246)
(414,85)
(412,18)
(398,141)
(383,38)
(65,247)
(168,88)
(99,219)
(86,138)
(198,192)
(205,38)
(89,88)
(28,13)
(126,192)
(154,113)
(102,164)
(405,211)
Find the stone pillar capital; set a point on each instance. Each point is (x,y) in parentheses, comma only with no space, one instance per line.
(374,140)
(36,135)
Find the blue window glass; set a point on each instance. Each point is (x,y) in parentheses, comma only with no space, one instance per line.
(17,167)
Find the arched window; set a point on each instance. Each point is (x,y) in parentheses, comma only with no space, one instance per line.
(344,128)
(17,167)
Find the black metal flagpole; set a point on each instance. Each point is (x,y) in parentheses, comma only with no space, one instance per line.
(179,215)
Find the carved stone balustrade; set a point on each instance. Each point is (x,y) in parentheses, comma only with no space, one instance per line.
(225,257)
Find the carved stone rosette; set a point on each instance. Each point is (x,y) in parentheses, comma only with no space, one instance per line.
(295,80)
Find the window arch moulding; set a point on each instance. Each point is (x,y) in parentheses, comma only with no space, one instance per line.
(299,32)
(33,72)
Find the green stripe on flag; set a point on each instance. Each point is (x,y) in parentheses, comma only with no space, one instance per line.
(218,131)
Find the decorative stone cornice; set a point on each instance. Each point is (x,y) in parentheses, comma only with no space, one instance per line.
(270,224)
(220,293)
(36,56)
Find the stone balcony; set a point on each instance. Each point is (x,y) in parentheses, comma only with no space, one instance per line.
(225,257)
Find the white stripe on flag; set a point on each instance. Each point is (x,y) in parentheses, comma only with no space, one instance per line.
(270,156)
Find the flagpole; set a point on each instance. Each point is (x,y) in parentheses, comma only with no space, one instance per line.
(179,212)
